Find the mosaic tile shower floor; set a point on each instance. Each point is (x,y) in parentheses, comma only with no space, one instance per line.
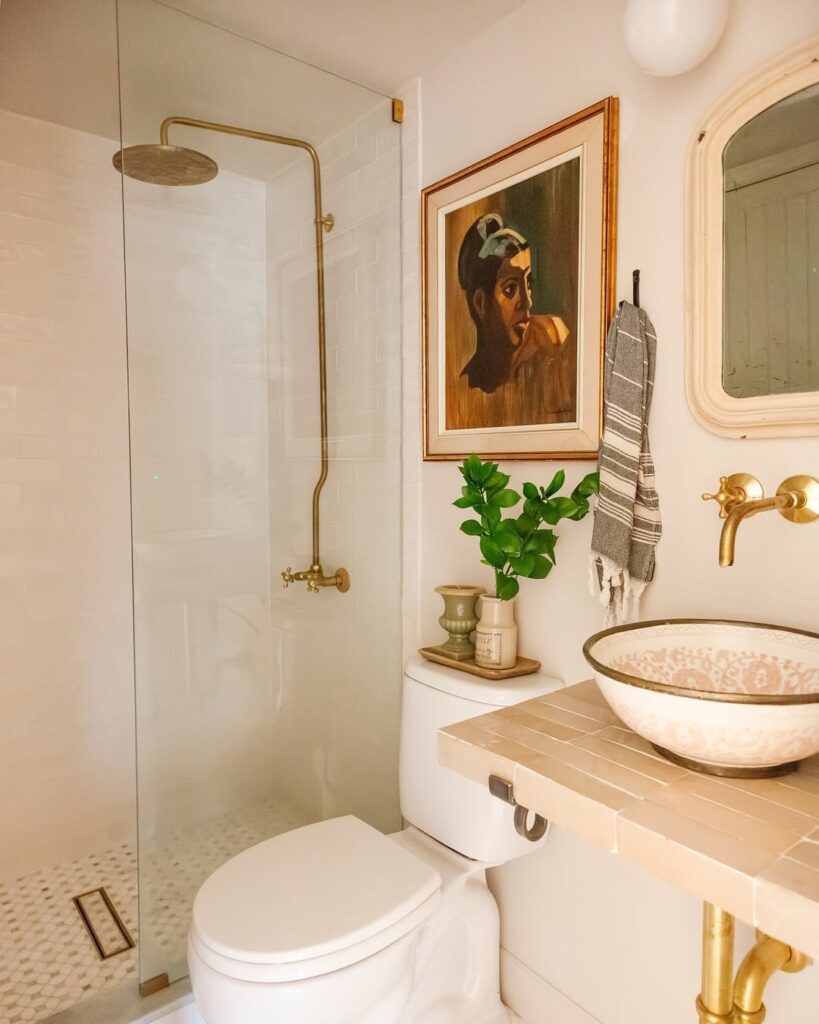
(48,961)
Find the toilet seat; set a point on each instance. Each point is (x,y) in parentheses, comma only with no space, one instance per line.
(311,901)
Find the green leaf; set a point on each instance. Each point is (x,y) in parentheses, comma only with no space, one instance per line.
(492,553)
(524,524)
(581,513)
(507,587)
(472,528)
(541,568)
(507,539)
(561,508)
(590,484)
(523,565)
(473,468)
(530,491)
(542,543)
(487,469)
(464,503)
(491,514)
(556,484)
(504,499)
(496,482)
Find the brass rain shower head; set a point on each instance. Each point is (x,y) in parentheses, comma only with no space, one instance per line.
(160,164)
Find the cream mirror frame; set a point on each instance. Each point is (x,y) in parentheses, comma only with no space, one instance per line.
(773,415)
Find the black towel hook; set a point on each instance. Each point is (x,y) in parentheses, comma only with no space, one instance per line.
(635,281)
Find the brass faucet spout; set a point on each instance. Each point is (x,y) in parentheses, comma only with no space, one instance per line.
(745,510)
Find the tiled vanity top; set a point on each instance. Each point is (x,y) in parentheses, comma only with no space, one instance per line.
(751,847)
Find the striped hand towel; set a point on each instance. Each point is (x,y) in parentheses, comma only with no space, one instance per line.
(627,518)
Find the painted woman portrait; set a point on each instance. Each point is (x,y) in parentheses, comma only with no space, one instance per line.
(511,309)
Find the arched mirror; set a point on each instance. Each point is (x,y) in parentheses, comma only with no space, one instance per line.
(753,255)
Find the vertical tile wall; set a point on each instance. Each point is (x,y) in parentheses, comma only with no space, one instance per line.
(197,309)
(66,700)
(336,657)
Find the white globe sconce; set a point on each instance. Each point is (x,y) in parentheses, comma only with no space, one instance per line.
(670,37)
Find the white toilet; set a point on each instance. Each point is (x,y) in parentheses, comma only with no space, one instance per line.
(335,923)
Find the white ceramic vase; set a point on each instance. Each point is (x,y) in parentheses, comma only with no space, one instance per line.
(496,635)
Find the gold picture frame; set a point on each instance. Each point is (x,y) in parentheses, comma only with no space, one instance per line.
(518,284)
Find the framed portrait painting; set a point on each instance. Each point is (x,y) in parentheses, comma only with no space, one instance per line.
(519,262)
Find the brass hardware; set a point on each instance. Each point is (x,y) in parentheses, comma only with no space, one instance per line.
(728,771)
(733,490)
(715,1002)
(167,164)
(504,790)
(398,111)
(797,499)
(315,579)
(728,1000)
(155,984)
(807,509)
(763,960)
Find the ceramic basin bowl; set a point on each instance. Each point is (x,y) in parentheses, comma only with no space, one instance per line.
(739,699)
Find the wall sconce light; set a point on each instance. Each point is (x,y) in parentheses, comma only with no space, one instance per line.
(670,37)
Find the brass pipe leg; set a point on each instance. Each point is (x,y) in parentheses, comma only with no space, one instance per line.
(761,962)
(715,1003)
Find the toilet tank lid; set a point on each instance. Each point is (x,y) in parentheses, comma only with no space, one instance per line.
(496,693)
(309,893)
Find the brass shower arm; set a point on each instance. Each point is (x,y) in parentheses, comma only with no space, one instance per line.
(248,133)
(323,222)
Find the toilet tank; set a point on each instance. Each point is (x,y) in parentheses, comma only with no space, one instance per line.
(458,812)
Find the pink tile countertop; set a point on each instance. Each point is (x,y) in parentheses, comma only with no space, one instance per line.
(751,847)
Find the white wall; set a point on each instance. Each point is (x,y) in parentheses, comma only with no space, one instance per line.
(66,699)
(619,944)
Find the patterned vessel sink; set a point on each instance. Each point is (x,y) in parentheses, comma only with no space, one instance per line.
(739,699)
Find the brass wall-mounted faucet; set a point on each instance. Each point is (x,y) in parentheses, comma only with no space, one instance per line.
(741,496)
(315,579)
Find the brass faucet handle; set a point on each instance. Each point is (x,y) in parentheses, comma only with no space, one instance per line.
(734,490)
(287,577)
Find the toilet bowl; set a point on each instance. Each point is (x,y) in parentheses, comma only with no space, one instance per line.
(336,923)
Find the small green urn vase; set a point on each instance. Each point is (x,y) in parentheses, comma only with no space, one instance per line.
(459,619)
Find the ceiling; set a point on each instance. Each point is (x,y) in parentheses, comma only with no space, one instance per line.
(58,63)
(378,43)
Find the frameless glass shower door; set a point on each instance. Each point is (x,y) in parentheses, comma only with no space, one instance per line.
(259,709)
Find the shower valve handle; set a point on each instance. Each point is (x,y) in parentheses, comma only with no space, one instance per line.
(315,579)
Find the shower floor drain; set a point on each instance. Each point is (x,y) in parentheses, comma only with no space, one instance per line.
(100,917)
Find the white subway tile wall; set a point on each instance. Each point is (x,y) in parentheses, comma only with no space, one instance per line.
(66,704)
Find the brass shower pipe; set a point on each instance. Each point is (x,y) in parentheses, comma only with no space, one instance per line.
(725,999)
(314,576)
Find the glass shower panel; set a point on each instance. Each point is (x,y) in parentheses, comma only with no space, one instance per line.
(67,793)
(258,709)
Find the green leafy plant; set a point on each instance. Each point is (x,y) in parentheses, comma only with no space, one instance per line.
(520,545)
